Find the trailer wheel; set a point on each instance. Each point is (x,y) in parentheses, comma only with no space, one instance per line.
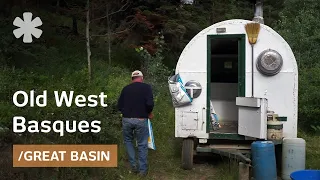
(187,153)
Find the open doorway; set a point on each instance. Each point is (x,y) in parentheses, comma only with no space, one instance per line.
(226,74)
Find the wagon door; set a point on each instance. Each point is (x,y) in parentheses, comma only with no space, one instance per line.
(252,117)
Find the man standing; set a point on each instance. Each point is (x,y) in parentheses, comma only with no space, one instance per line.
(136,105)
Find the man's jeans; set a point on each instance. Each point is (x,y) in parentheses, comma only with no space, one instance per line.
(138,127)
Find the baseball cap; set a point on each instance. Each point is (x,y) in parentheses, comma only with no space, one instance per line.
(136,73)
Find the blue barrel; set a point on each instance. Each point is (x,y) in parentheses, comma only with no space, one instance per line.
(263,160)
(305,175)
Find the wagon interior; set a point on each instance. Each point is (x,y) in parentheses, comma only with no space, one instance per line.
(224,82)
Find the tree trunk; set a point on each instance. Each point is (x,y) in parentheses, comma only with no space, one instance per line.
(88,40)
(142,65)
(74,25)
(109,36)
(6,8)
(212,14)
(57,6)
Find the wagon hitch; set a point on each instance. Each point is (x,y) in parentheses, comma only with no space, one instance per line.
(234,152)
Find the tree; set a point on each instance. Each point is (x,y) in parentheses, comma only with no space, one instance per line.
(111,8)
(299,27)
(88,40)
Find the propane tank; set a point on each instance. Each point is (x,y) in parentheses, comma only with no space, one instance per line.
(274,127)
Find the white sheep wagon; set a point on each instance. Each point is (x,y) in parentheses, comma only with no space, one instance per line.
(235,82)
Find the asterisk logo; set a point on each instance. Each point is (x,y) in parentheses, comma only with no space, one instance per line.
(27,27)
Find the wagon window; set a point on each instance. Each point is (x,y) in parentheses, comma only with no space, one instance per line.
(224,60)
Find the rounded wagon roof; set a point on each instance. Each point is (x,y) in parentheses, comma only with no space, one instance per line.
(197,47)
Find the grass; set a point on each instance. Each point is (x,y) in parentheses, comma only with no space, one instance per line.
(165,163)
(66,59)
(169,169)
(312,150)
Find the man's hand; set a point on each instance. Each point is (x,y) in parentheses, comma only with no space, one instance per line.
(150,116)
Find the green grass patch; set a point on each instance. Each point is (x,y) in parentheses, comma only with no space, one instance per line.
(312,150)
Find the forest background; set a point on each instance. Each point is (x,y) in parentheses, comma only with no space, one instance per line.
(62,59)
